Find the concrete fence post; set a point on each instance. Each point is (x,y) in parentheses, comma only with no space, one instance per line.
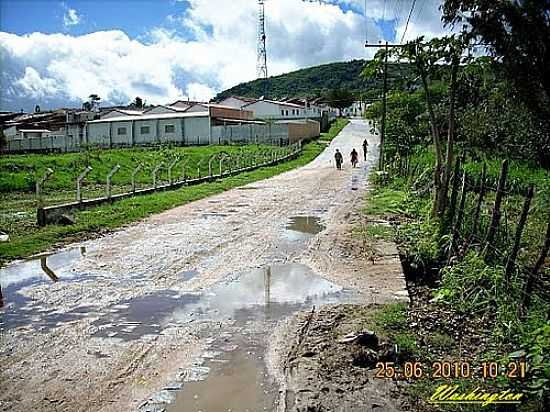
(39,183)
(212,158)
(170,167)
(199,165)
(109,178)
(134,174)
(184,169)
(79,180)
(155,171)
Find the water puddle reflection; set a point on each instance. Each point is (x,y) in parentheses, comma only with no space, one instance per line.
(233,374)
(18,310)
(265,294)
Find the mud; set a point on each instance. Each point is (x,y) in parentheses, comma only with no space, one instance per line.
(319,368)
(144,305)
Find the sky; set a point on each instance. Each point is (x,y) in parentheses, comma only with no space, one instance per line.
(56,53)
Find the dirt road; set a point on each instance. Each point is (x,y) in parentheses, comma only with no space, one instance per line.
(112,331)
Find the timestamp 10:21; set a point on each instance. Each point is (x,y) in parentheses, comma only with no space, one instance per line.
(449,370)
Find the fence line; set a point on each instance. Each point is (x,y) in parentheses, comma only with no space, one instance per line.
(229,165)
(487,227)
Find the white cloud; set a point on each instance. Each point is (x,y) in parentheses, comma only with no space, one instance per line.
(71,17)
(200,92)
(36,86)
(217,51)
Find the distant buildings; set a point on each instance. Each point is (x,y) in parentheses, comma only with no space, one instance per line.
(235,119)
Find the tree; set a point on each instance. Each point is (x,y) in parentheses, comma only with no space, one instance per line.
(340,99)
(87,106)
(426,57)
(137,103)
(94,100)
(517,33)
(37,109)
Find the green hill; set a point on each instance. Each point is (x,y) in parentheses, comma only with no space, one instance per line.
(315,82)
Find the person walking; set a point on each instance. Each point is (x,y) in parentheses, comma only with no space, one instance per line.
(354,158)
(339,159)
(365,149)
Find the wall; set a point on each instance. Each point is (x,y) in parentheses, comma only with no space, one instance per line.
(188,131)
(300,131)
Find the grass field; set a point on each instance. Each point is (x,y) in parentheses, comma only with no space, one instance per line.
(17,210)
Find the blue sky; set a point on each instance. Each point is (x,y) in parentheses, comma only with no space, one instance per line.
(56,53)
(134,17)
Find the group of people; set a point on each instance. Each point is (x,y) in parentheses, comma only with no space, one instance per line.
(354,156)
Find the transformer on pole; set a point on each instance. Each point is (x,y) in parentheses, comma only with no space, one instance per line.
(261,66)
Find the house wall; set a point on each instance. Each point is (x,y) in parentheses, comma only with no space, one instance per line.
(145,138)
(305,130)
(197,130)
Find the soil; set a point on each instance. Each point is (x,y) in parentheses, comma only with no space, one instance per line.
(88,361)
(323,371)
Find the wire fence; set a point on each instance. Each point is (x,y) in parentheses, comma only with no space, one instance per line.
(509,227)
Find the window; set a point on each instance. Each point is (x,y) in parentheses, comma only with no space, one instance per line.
(286,112)
(169,128)
(282,112)
(145,130)
(121,131)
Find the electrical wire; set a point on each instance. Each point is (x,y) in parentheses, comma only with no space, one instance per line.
(408,20)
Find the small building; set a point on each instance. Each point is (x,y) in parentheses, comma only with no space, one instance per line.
(164,124)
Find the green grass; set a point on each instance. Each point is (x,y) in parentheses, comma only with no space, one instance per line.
(385,201)
(20,172)
(28,240)
(334,130)
(471,285)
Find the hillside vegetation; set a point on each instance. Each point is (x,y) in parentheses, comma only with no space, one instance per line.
(315,82)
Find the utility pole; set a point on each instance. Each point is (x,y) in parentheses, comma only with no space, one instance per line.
(384,100)
(261,64)
(384,107)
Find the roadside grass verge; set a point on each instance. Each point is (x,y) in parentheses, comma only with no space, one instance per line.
(465,310)
(334,130)
(33,239)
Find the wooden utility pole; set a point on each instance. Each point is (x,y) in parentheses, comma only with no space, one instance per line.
(384,108)
(384,101)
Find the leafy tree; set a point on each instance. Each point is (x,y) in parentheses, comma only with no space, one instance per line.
(87,106)
(426,58)
(517,33)
(137,103)
(37,109)
(340,99)
(94,100)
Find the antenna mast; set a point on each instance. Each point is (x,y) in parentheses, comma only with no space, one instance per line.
(261,66)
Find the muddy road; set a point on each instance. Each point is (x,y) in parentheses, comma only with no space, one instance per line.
(158,315)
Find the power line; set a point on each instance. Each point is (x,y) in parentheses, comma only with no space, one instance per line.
(408,20)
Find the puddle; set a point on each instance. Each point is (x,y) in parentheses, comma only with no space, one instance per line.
(232,374)
(38,270)
(302,228)
(261,295)
(18,310)
(240,380)
(189,274)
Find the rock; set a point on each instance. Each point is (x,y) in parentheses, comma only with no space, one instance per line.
(366,338)
(65,220)
(163,396)
(4,237)
(173,386)
(364,357)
